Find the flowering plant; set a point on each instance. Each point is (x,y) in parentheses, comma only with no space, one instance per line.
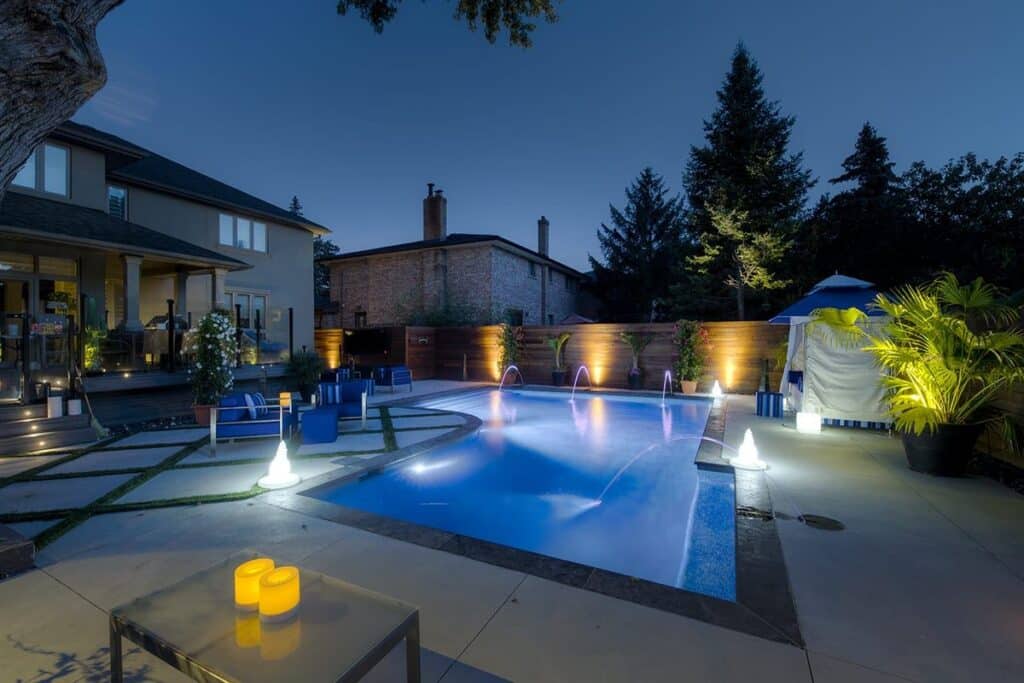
(693,347)
(213,348)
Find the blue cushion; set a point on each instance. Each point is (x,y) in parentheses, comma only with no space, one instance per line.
(327,393)
(237,403)
(261,405)
(352,390)
(320,425)
(251,405)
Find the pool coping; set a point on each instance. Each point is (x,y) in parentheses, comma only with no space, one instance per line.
(764,604)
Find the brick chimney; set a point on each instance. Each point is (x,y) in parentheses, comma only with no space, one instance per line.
(435,214)
(542,235)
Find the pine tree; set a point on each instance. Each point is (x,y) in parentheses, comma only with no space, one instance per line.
(322,248)
(746,192)
(295,206)
(640,251)
(862,230)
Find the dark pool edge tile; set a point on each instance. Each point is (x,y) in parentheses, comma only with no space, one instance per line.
(542,566)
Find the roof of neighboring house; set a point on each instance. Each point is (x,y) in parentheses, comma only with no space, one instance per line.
(453,240)
(146,168)
(44,218)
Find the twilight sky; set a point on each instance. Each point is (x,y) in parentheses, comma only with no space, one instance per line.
(289,98)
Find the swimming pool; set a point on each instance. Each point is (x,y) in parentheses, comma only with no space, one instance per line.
(603,481)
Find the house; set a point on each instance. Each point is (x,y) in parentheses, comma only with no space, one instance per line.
(487,277)
(108,233)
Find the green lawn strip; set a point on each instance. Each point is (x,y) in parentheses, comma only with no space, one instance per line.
(80,515)
(179,502)
(390,442)
(253,461)
(35,516)
(130,447)
(74,455)
(87,473)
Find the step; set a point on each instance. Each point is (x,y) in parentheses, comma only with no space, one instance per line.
(17,411)
(43,425)
(47,441)
(16,552)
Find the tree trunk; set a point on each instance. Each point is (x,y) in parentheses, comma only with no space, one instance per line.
(50,65)
(740,307)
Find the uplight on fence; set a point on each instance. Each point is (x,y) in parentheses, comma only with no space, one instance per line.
(808,423)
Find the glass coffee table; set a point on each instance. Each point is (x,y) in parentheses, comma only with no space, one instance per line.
(339,633)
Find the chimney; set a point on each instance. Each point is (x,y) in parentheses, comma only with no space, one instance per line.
(542,236)
(435,214)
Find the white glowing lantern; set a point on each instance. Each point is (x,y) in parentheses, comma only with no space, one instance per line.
(716,390)
(280,474)
(747,458)
(808,423)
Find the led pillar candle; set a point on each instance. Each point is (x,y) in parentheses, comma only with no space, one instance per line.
(279,593)
(247,582)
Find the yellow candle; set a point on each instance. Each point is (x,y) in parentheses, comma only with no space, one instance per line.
(247,582)
(247,630)
(279,593)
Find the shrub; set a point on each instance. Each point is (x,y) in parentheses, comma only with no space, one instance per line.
(305,367)
(636,342)
(509,341)
(692,348)
(212,347)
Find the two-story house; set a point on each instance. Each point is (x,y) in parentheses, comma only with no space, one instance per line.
(101,229)
(487,276)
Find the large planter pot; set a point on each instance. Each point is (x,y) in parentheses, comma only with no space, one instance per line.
(558,377)
(635,381)
(688,386)
(943,452)
(202,414)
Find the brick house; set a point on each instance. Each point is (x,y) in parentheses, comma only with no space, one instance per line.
(484,277)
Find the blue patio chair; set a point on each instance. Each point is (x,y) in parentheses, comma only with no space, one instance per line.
(394,376)
(349,397)
(241,415)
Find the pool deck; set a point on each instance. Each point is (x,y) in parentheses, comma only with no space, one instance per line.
(926,583)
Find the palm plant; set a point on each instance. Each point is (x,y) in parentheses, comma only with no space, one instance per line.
(557,344)
(636,342)
(949,350)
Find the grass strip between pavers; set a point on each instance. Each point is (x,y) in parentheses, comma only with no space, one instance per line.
(73,455)
(390,442)
(82,514)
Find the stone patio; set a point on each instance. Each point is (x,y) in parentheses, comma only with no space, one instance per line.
(926,583)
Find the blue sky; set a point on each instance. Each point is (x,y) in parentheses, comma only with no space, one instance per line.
(281,99)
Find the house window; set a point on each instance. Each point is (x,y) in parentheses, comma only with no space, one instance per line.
(117,201)
(568,283)
(533,269)
(259,311)
(551,275)
(242,233)
(46,170)
(551,318)
(248,306)
(515,317)
(360,319)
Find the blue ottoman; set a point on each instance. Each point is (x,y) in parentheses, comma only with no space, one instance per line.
(320,425)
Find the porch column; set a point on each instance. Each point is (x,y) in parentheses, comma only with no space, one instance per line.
(132,278)
(181,294)
(217,287)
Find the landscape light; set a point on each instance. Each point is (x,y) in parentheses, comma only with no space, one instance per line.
(280,475)
(716,390)
(808,423)
(747,457)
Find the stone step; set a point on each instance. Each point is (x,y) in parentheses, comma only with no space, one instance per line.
(20,412)
(46,441)
(43,425)
(17,553)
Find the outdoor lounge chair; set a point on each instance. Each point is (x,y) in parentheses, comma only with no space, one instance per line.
(394,376)
(236,418)
(349,397)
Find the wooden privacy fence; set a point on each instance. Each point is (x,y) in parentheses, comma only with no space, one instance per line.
(737,353)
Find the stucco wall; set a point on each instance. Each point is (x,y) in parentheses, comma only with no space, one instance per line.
(284,274)
(87,179)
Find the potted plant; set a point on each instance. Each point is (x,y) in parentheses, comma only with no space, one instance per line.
(211,345)
(948,351)
(692,347)
(557,344)
(636,342)
(92,350)
(305,367)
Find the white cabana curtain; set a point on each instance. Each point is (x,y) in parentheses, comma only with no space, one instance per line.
(839,382)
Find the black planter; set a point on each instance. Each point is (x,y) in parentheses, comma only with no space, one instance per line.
(635,381)
(943,452)
(558,377)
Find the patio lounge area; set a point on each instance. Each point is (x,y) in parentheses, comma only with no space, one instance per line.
(924,583)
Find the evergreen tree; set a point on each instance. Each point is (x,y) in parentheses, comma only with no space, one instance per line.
(295,206)
(746,192)
(640,251)
(862,230)
(322,248)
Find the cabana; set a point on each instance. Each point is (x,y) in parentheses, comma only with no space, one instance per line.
(825,378)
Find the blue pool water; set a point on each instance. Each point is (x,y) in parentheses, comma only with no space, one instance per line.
(605,481)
